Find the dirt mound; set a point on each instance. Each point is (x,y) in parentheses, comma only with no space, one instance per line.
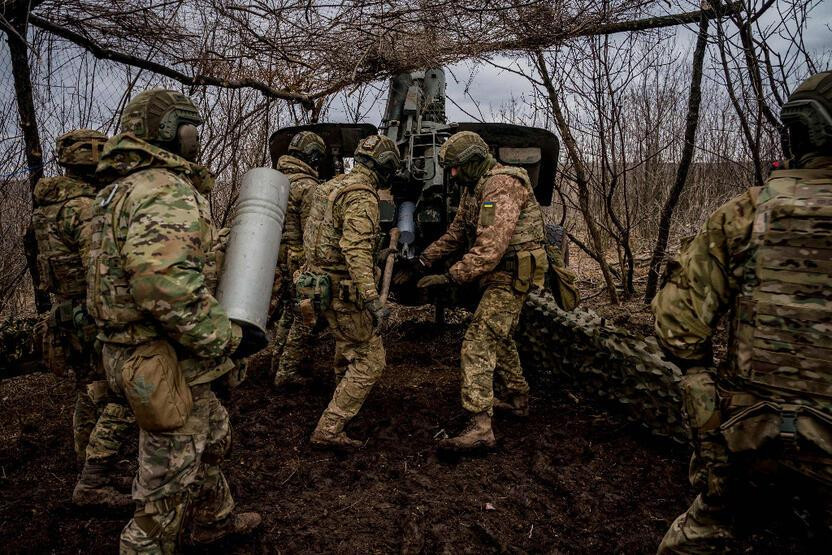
(567,479)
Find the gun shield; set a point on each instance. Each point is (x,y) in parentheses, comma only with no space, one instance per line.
(251,257)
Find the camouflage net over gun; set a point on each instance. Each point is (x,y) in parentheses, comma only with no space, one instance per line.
(582,350)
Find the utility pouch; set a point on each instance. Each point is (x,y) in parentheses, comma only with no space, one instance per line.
(540,263)
(562,281)
(155,387)
(523,274)
(701,401)
(315,288)
(348,293)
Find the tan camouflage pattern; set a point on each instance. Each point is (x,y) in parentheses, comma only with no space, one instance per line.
(291,336)
(61,218)
(84,417)
(154,258)
(764,255)
(489,351)
(302,182)
(515,223)
(296,348)
(462,147)
(81,147)
(115,423)
(342,230)
(359,359)
(178,469)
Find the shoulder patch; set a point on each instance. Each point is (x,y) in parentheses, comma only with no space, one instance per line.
(488,212)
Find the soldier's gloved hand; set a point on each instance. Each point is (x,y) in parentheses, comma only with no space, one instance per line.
(379,311)
(254,340)
(434,280)
(412,268)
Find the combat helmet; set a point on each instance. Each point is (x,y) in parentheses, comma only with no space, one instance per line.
(462,148)
(808,114)
(165,118)
(80,148)
(380,154)
(307,146)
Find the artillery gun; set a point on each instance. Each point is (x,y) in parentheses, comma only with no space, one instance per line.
(423,199)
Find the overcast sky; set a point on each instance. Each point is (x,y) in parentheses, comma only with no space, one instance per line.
(493,87)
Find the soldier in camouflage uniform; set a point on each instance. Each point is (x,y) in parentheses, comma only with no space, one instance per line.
(61,219)
(499,226)
(152,271)
(765,255)
(339,242)
(306,149)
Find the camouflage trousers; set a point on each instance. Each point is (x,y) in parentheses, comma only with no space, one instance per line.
(359,359)
(488,348)
(719,476)
(100,424)
(179,480)
(295,345)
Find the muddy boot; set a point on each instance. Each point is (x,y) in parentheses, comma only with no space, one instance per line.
(329,434)
(477,435)
(516,405)
(94,489)
(237,524)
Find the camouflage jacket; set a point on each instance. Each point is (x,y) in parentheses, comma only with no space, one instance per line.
(709,274)
(500,217)
(153,257)
(302,182)
(63,209)
(341,232)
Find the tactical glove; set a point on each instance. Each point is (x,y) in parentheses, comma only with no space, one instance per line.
(379,311)
(413,268)
(434,280)
(253,341)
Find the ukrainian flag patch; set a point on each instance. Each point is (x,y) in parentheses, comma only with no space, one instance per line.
(487,213)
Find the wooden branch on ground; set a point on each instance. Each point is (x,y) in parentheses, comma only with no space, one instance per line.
(104,53)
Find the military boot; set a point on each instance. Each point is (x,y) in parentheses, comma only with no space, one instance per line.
(237,524)
(516,405)
(329,433)
(476,435)
(94,488)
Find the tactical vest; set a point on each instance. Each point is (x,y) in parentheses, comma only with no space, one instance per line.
(59,257)
(109,299)
(528,233)
(322,235)
(782,329)
(302,178)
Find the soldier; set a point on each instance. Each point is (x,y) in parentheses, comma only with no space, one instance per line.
(61,219)
(339,243)
(306,149)
(765,256)
(151,274)
(500,226)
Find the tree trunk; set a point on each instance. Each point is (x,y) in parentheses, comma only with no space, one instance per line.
(581,178)
(31,138)
(684,164)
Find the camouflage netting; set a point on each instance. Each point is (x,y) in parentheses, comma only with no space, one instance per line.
(581,350)
(576,349)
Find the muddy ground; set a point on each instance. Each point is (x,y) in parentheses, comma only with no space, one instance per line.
(571,478)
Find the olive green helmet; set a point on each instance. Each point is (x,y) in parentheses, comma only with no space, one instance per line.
(808,113)
(380,151)
(461,148)
(156,115)
(81,148)
(307,146)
